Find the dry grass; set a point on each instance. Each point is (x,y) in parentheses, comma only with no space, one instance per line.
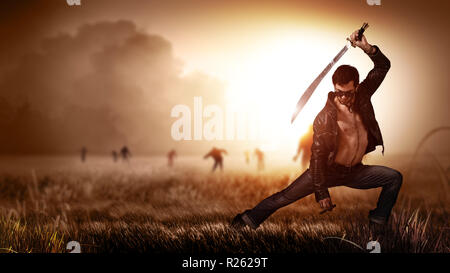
(129,209)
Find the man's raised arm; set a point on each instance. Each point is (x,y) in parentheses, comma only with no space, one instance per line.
(380,69)
(377,74)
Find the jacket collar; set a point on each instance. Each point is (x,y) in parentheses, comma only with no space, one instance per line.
(330,102)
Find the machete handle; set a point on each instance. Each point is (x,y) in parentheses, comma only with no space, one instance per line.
(330,209)
(361,31)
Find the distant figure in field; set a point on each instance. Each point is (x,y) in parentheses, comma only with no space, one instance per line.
(83,153)
(260,156)
(170,157)
(247,156)
(304,148)
(125,153)
(114,155)
(216,154)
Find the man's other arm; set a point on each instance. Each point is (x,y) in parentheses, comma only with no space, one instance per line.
(319,157)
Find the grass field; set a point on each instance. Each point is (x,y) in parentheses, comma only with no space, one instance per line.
(45,202)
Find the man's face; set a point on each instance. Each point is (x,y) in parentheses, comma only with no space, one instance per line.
(345,93)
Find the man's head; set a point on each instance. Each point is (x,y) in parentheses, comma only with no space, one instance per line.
(345,81)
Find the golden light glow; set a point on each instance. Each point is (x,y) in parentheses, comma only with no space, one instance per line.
(271,80)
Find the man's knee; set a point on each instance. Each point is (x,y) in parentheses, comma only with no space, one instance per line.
(397,179)
(280,199)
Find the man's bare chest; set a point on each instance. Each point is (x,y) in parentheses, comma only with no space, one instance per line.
(350,124)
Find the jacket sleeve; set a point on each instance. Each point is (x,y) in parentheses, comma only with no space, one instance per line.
(377,74)
(320,150)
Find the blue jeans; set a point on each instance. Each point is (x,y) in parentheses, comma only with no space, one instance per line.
(359,177)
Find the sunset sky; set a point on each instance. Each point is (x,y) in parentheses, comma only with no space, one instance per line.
(109,72)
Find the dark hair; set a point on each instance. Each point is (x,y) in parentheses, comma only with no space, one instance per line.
(344,74)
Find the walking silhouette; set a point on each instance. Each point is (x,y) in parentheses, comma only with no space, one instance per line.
(260,157)
(216,154)
(125,153)
(83,153)
(114,155)
(304,148)
(247,156)
(170,157)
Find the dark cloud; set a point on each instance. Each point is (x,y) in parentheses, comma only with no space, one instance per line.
(107,85)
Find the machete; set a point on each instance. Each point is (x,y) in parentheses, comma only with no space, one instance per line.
(310,90)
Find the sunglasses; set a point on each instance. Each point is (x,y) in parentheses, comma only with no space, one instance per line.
(345,93)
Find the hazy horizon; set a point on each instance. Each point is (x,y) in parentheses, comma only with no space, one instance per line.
(108,73)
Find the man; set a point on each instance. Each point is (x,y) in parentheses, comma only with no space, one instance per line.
(216,154)
(304,148)
(114,155)
(170,157)
(125,152)
(83,154)
(260,158)
(247,156)
(344,131)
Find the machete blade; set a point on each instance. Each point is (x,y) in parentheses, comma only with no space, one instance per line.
(310,90)
(312,87)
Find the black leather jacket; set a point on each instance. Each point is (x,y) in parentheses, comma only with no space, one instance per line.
(324,147)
